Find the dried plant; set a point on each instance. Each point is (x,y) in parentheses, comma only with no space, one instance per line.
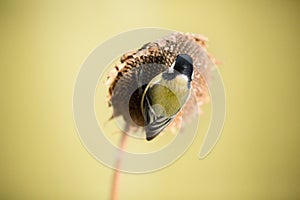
(153,58)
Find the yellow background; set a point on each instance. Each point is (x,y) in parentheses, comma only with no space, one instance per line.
(44,43)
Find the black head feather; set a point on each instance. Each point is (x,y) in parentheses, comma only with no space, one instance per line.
(184,65)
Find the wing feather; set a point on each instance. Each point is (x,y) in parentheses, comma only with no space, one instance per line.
(153,124)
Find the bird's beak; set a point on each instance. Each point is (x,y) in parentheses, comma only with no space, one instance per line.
(193,74)
(171,69)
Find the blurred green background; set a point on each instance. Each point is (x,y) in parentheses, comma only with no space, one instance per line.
(44,43)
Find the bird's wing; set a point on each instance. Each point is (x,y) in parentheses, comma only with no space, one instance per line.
(157,126)
(153,124)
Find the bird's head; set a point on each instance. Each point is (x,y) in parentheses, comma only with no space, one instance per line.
(184,65)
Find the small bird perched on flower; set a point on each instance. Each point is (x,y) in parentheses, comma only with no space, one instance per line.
(152,87)
(166,94)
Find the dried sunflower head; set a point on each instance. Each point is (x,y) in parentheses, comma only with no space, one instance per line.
(128,80)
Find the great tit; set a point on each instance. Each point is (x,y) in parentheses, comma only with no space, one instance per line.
(166,94)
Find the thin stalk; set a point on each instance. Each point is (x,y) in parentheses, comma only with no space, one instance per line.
(117,172)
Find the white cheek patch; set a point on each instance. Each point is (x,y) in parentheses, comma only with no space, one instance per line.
(183,77)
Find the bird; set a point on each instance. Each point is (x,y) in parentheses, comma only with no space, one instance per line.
(165,95)
(132,83)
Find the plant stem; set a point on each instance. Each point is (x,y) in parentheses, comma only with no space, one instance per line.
(117,172)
